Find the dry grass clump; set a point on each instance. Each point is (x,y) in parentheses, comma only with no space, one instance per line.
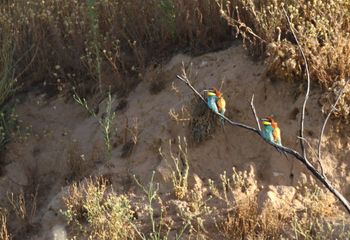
(179,175)
(77,163)
(243,218)
(322,28)
(4,234)
(316,219)
(245,222)
(97,43)
(23,209)
(94,211)
(317,201)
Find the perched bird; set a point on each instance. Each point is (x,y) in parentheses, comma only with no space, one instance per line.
(276,131)
(267,131)
(211,100)
(271,132)
(221,103)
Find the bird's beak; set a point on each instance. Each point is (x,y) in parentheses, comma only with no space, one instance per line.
(264,119)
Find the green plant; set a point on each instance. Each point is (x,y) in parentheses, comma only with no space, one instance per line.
(8,120)
(105,121)
(182,167)
(7,72)
(96,212)
(169,15)
(7,87)
(151,192)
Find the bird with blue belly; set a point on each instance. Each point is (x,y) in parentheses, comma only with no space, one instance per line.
(271,132)
(216,102)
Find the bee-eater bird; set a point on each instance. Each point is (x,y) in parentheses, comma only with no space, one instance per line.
(276,131)
(271,132)
(211,100)
(267,130)
(221,103)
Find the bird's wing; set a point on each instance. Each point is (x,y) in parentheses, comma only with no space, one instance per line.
(277,134)
(221,103)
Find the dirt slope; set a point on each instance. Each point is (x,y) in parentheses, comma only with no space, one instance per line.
(56,131)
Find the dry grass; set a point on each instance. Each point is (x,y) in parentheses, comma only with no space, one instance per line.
(76,161)
(7,68)
(4,234)
(23,207)
(94,211)
(97,43)
(322,28)
(245,218)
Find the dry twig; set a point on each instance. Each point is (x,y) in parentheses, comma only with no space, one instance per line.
(325,123)
(302,118)
(254,112)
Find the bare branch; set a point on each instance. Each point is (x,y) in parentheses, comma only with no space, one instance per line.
(254,112)
(313,151)
(283,149)
(325,123)
(302,118)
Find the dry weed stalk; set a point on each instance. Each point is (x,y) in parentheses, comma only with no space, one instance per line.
(24,207)
(182,116)
(237,182)
(76,161)
(134,131)
(4,234)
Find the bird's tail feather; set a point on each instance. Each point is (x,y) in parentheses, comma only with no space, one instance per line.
(222,120)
